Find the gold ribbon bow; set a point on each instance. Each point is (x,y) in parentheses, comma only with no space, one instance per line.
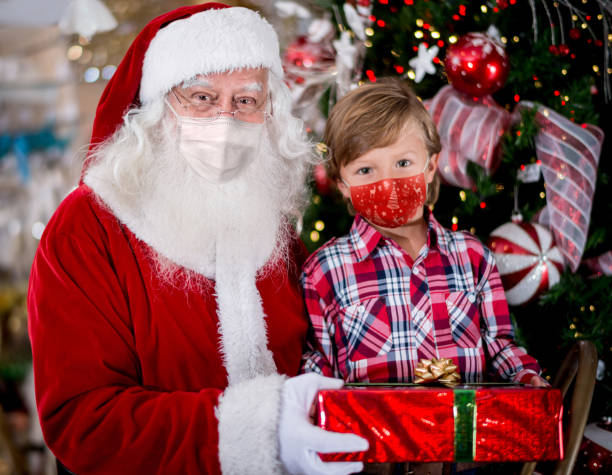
(437,370)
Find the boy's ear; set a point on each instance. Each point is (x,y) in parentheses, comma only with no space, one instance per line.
(432,167)
(345,190)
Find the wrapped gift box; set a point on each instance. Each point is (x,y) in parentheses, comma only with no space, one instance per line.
(438,424)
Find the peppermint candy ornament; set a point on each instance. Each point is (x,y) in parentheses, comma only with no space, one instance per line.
(528,260)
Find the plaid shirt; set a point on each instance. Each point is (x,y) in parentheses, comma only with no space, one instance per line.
(375,312)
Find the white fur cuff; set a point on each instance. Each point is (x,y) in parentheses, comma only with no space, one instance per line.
(248,415)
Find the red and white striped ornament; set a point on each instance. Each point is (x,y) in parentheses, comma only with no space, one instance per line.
(527,258)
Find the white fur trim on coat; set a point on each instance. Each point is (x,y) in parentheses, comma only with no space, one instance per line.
(242,321)
(248,415)
(208,42)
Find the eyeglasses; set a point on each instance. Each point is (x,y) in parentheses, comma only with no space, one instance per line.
(245,108)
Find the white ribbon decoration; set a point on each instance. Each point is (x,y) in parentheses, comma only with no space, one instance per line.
(86,18)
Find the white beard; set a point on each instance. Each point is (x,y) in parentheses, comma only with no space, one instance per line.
(185,219)
(225,232)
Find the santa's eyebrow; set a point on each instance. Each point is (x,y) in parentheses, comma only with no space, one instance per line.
(250,87)
(195,82)
(254,86)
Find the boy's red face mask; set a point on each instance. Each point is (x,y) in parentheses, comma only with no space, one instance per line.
(391,202)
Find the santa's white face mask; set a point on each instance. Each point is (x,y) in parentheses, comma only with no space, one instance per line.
(218,148)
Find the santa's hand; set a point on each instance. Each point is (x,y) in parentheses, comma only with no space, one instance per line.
(300,441)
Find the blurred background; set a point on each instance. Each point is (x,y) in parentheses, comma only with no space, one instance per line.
(510,84)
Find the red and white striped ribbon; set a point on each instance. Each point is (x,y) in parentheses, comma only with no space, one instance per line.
(601,264)
(470,130)
(569,154)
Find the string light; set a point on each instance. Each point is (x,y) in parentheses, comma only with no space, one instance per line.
(91,74)
(564,71)
(418,34)
(504,40)
(453,39)
(314,236)
(411,74)
(542,195)
(74,52)
(369,31)
(435,34)
(483,8)
(462,195)
(319,225)
(595,68)
(419,22)
(455,220)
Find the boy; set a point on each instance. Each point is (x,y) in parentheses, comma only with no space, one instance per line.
(399,287)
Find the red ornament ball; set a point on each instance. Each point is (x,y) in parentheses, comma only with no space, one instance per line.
(322,181)
(503,4)
(477,65)
(574,34)
(527,259)
(308,56)
(595,455)
(564,50)
(554,49)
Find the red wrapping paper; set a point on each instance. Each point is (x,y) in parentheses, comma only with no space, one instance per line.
(417,424)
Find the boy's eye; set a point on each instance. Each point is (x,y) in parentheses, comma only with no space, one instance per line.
(364,171)
(403,163)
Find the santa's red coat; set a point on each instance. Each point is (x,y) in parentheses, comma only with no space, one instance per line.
(127,368)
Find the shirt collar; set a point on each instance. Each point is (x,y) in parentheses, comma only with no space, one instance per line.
(364,238)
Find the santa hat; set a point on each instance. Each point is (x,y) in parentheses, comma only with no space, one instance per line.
(179,45)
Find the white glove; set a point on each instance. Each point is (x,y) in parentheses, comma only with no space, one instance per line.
(300,440)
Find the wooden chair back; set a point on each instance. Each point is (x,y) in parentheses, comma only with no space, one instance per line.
(578,371)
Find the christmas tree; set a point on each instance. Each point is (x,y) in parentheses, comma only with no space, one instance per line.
(527,85)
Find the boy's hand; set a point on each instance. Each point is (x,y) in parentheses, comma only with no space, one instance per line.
(538,382)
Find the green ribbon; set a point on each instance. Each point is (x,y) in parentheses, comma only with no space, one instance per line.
(464,411)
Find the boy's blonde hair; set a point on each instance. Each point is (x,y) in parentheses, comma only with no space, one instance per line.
(373,116)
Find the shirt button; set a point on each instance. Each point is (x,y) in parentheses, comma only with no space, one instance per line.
(471,298)
(361,309)
(416,271)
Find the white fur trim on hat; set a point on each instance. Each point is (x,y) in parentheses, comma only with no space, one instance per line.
(208,42)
